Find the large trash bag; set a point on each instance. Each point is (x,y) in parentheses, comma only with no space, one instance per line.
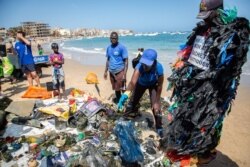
(37,92)
(130,151)
(1,71)
(8,68)
(91,78)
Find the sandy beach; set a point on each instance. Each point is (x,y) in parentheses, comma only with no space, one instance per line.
(233,148)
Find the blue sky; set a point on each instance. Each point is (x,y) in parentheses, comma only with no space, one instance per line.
(138,15)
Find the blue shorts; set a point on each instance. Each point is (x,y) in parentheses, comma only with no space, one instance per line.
(28,68)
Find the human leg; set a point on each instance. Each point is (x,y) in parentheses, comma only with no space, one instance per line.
(156,110)
(36,78)
(62,82)
(133,105)
(116,82)
(29,78)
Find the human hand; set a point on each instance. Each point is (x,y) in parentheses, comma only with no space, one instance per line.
(19,36)
(156,107)
(123,100)
(105,75)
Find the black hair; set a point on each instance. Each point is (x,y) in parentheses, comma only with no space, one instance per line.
(114,34)
(54,46)
(21,32)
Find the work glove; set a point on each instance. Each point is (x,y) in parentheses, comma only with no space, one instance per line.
(123,100)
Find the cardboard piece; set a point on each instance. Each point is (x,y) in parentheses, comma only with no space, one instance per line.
(21,108)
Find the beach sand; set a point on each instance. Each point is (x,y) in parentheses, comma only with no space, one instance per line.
(233,148)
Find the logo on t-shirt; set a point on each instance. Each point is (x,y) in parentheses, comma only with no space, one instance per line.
(116,53)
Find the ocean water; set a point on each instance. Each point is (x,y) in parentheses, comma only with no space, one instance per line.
(92,51)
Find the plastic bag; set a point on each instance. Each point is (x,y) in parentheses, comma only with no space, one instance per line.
(1,71)
(91,78)
(8,68)
(37,92)
(130,151)
(91,107)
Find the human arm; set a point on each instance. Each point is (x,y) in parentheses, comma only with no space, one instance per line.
(125,59)
(125,96)
(106,70)
(157,106)
(125,69)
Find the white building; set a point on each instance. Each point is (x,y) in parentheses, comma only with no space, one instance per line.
(64,32)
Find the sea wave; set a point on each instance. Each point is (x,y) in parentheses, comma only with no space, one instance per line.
(98,49)
(147,34)
(174,33)
(61,44)
(84,50)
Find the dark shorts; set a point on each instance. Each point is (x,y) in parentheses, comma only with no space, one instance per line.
(116,80)
(138,93)
(28,68)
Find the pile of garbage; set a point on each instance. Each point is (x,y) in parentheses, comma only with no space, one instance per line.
(80,131)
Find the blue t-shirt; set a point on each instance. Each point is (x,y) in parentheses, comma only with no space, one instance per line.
(116,56)
(149,78)
(24,53)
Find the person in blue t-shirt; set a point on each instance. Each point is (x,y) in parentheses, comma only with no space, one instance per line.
(117,65)
(23,49)
(148,74)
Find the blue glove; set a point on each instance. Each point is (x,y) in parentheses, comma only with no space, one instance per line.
(123,100)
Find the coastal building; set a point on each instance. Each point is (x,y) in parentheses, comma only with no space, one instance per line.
(64,32)
(36,29)
(3,32)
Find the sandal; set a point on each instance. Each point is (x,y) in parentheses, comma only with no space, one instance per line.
(131,115)
(27,121)
(6,156)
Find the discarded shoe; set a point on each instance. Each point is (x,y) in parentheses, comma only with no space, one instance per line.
(60,141)
(6,156)
(27,121)
(131,115)
(2,119)
(32,163)
(76,148)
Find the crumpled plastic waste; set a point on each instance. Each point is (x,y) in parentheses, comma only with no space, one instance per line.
(91,107)
(130,151)
(204,97)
